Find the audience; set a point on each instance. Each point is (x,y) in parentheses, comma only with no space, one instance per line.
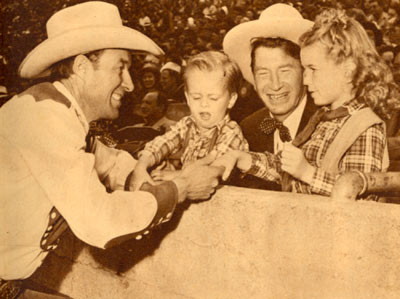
(182,28)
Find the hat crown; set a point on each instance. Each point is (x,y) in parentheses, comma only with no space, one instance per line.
(280,11)
(171,66)
(88,14)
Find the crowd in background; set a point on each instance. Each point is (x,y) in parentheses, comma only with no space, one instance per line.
(181,28)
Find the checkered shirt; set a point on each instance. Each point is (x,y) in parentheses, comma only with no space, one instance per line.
(229,137)
(366,155)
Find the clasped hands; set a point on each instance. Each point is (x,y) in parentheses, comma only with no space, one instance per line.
(198,180)
(201,177)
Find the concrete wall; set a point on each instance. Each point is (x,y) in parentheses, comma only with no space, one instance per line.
(244,244)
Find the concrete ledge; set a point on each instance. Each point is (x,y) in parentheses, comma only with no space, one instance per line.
(244,243)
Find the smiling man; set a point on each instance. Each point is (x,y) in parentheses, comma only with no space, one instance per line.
(53,176)
(268,55)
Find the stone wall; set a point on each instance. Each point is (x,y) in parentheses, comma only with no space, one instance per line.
(244,244)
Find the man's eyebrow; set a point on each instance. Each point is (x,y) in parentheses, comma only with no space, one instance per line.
(288,65)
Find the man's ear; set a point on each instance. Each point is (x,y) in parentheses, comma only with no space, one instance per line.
(186,95)
(80,65)
(232,100)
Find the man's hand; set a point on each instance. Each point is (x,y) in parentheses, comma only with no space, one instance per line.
(199,178)
(231,159)
(294,163)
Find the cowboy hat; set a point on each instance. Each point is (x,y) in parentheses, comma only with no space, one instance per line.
(79,29)
(278,20)
(171,66)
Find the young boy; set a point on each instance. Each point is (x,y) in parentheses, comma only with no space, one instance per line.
(211,83)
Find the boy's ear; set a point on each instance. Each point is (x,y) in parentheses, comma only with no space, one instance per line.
(232,100)
(350,69)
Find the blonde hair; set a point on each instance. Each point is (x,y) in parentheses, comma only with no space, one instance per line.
(344,38)
(214,60)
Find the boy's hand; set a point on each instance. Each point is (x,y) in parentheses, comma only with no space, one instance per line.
(139,177)
(294,163)
(164,174)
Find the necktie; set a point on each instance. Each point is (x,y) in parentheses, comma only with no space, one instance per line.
(320,115)
(268,125)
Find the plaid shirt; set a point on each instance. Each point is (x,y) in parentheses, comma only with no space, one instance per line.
(366,155)
(185,135)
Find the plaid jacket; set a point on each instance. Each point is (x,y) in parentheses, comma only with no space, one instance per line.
(186,136)
(366,154)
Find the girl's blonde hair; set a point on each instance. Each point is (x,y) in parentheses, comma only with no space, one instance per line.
(345,38)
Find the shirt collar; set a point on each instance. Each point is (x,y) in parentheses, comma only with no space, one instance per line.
(218,127)
(352,106)
(74,104)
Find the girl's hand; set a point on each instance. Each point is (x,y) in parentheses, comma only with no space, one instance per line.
(294,163)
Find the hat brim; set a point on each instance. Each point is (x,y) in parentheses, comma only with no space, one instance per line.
(37,63)
(237,42)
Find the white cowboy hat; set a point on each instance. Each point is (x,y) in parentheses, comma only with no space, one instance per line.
(278,20)
(82,28)
(171,66)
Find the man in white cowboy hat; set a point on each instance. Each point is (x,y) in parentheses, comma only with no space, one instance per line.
(268,55)
(54,176)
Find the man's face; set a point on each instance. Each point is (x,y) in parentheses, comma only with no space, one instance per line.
(278,80)
(166,81)
(105,83)
(149,104)
(149,79)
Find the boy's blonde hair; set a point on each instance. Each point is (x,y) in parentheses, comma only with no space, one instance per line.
(214,60)
(345,38)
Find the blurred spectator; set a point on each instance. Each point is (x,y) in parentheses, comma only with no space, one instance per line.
(373,32)
(396,64)
(153,107)
(387,53)
(150,77)
(171,82)
(182,28)
(247,102)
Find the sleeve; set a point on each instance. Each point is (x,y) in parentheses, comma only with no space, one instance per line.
(265,166)
(163,146)
(231,138)
(113,166)
(366,155)
(51,141)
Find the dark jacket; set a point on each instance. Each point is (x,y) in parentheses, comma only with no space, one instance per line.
(259,142)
